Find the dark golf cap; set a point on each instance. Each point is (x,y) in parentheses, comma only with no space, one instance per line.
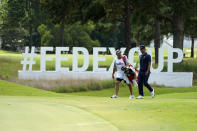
(142,47)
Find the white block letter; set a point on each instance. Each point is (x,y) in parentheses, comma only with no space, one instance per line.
(170,57)
(43,57)
(160,62)
(96,59)
(59,58)
(85,59)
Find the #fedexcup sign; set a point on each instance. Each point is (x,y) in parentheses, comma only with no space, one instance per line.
(161,78)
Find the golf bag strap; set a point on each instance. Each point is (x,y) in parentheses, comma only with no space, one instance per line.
(124,59)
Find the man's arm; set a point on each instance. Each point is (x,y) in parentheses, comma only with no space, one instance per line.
(114,70)
(149,64)
(126,61)
(148,70)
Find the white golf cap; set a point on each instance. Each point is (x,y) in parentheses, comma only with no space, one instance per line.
(118,51)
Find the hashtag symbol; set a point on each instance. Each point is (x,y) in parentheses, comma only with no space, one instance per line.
(31,57)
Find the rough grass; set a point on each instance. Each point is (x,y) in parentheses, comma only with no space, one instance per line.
(67,86)
(13,89)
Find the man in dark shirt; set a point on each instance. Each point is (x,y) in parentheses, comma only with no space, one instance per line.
(144,73)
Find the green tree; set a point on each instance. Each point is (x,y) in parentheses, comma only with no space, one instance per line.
(148,17)
(178,12)
(120,11)
(191,26)
(61,12)
(11,31)
(46,36)
(79,35)
(20,21)
(169,17)
(68,12)
(31,21)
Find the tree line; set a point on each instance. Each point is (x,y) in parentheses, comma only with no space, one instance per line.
(91,23)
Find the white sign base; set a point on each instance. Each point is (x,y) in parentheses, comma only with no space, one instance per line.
(175,79)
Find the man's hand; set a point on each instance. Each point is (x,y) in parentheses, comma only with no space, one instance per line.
(112,75)
(146,73)
(114,70)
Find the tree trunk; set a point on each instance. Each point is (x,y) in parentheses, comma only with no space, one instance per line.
(178,31)
(127,23)
(192,48)
(157,39)
(3,44)
(30,23)
(30,36)
(0,43)
(62,34)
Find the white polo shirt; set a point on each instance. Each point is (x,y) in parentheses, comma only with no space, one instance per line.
(119,63)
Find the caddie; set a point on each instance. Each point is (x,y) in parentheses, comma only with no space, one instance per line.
(120,62)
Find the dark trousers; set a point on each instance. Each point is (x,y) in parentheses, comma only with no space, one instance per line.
(143,80)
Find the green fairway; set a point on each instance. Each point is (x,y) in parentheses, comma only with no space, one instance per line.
(45,114)
(25,108)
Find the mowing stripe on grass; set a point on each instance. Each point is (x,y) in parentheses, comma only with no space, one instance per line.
(34,114)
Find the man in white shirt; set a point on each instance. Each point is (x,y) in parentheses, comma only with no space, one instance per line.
(120,62)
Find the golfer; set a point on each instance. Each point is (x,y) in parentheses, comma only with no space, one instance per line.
(144,73)
(120,62)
